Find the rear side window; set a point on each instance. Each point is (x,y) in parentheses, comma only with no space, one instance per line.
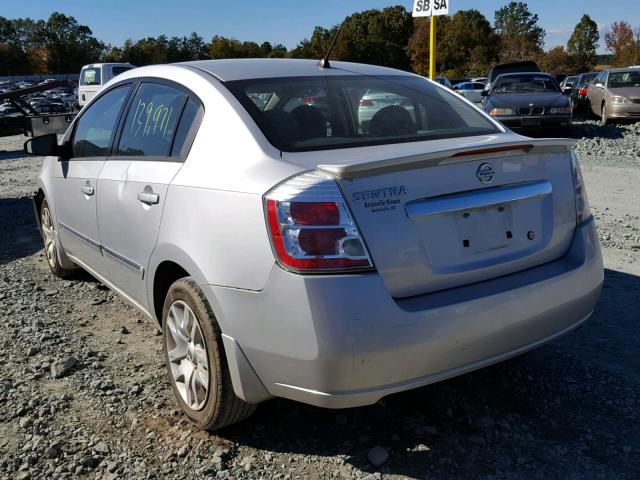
(91,76)
(318,113)
(190,115)
(151,121)
(96,127)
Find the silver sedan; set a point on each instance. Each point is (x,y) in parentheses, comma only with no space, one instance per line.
(285,251)
(472,91)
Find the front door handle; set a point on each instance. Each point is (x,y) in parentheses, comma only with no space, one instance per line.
(87,190)
(149,198)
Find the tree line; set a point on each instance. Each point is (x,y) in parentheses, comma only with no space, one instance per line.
(468,43)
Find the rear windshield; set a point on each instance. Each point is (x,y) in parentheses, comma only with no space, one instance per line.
(118,70)
(319,113)
(587,77)
(526,83)
(90,76)
(513,68)
(624,79)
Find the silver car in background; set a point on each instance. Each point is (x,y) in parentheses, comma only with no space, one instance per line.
(284,251)
(615,95)
(472,91)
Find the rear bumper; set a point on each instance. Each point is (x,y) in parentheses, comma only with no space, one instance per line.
(342,341)
(541,121)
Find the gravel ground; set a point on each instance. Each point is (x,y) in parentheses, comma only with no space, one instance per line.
(83,391)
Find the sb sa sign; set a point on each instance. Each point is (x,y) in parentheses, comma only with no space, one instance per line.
(428,8)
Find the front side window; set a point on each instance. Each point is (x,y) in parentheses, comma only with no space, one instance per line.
(151,121)
(318,113)
(94,130)
(91,76)
(624,79)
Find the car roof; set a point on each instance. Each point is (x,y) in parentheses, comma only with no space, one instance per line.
(249,68)
(496,70)
(627,69)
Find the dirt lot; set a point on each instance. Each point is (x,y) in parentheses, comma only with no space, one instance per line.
(570,410)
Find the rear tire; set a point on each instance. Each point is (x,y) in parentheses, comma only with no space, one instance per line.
(196,363)
(50,239)
(589,114)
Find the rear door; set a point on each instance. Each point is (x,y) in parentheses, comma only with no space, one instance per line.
(75,178)
(154,141)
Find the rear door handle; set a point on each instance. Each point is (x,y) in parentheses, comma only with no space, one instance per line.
(87,190)
(149,198)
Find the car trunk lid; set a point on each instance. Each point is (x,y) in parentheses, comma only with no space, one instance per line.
(460,212)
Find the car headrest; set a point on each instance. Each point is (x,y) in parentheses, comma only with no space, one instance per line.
(311,122)
(390,121)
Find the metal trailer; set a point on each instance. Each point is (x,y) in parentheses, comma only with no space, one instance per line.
(31,123)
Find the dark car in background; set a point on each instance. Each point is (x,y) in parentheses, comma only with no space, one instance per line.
(567,84)
(578,97)
(528,100)
(509,67)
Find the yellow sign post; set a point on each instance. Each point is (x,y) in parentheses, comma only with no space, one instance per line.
(432,48)
(431,8)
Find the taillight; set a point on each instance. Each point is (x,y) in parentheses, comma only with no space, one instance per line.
(582,91)
(311,227)
(365,102)
(582,202)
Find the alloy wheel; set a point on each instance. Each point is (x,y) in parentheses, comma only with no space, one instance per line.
(49,233)
(187,355)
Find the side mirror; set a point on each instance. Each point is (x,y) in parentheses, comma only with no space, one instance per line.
(44,145)
(485,93)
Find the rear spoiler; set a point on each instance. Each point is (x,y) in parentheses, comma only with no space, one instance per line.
(443,157)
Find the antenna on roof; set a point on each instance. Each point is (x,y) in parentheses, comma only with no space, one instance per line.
(324,63)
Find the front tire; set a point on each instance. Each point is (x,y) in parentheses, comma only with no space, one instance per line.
(604,120)
(50,239)
(195,359)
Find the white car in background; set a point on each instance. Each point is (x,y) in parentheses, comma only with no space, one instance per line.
(95,75)
(373,101)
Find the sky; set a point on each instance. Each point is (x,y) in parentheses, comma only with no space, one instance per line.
(288,21)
